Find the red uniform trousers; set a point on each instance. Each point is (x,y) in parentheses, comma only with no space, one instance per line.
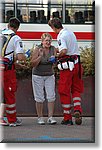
(10,87)
(70,87)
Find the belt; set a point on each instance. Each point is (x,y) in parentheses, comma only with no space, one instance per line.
(68,62)
(72,58)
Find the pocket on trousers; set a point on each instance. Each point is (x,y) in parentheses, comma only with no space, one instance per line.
(62,88)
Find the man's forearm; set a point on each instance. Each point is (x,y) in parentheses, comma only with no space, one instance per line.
(61,53)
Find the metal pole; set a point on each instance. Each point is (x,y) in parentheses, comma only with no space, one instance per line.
(48,11)
(63,10)
(15,7)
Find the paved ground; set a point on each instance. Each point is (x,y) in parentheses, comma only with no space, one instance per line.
(31,132)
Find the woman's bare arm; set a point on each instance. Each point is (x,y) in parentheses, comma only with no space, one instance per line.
(36,56)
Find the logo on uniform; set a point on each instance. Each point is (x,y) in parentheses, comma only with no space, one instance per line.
(59,42)
(20,43)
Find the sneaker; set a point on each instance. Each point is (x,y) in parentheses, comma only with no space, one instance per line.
(3,122)
(17,123)
(41,121)
(67,122)
(51,120)
(78,118)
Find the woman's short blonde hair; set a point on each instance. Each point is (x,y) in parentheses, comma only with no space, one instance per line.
(44,35)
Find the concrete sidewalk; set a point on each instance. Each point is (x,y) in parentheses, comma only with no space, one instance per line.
(31,132)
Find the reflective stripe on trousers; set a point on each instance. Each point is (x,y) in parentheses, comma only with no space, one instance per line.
(10,111)
(66,108)
(77,101)
(10,108)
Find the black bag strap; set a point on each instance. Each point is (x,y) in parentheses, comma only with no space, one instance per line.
(80,76)
(5,45)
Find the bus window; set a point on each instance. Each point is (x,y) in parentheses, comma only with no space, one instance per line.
(41,18)
(55,9)
(33,11)
(33,17)
(40,11)
(8,12)
(80,11)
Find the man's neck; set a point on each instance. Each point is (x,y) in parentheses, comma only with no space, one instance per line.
(58,30)
(10,28)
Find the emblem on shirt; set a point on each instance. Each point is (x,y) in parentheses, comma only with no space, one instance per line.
(59,42)
(20,43)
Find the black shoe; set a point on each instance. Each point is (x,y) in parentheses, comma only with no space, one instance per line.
(67,122)
(78,118)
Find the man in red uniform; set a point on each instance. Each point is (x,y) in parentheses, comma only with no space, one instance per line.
(12,51)
(70,82)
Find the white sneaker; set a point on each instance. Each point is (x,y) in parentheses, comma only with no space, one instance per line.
(51,120)
(41,121)
(3,122)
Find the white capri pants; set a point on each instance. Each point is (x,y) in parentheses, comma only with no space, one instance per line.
(41,82)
